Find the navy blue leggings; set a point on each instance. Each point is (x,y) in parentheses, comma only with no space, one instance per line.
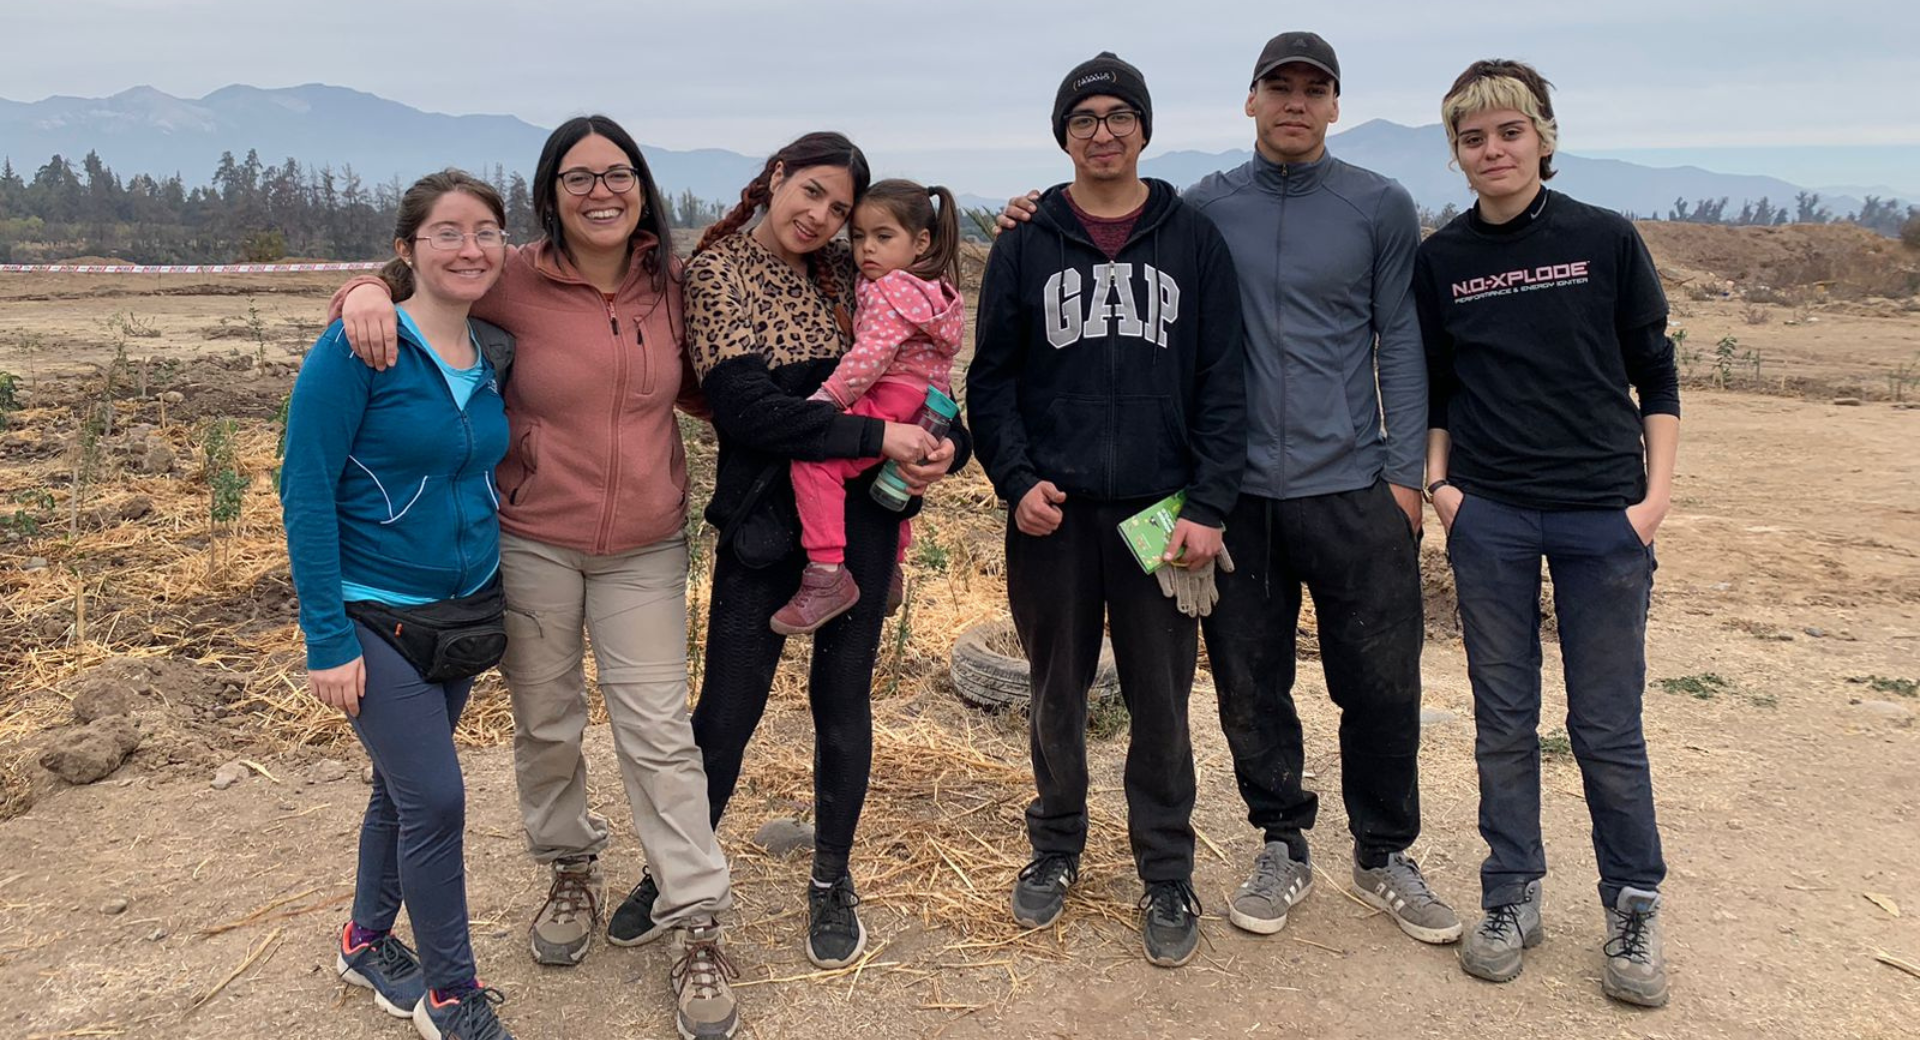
(411,846)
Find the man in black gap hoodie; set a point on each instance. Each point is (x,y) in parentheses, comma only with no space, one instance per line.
(1109,374)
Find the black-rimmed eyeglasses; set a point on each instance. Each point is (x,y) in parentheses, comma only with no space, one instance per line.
(1083,126)
(619,180)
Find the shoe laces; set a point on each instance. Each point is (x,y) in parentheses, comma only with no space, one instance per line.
(833,907)
(1405,874)
(1269,870)
(1051,868)
(570,893)
(1636,930)
(1170,901)
(646,882)
(1501,920)
(475,1018)
(393,958)
(704,966)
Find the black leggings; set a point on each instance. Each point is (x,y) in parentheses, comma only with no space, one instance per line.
(743,654)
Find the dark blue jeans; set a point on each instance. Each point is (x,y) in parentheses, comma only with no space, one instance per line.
(1602,578)
(411,841)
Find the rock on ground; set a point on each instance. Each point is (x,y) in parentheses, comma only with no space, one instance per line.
(88,753)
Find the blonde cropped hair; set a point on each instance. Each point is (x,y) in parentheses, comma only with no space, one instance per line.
(1495,84)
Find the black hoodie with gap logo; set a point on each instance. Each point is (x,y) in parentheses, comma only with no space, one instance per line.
(1118,378)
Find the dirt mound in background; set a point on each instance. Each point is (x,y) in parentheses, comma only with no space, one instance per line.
(1845,260)
(149,714)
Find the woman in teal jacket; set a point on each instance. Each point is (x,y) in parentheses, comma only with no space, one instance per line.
(389,503)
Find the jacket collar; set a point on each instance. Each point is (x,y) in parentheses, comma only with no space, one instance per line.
(552,262)
(1290,178)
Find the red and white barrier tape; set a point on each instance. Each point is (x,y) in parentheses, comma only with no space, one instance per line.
(184,268)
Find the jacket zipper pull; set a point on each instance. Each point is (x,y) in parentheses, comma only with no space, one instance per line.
(613,318)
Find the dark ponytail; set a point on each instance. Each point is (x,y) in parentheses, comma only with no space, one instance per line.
(417,205)
(912,207)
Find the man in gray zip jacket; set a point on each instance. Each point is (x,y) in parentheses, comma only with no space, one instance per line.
(1331,496)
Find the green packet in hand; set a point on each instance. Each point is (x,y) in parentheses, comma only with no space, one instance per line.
(1148,531)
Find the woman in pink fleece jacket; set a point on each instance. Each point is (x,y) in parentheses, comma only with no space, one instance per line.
(907,328)
(593,516)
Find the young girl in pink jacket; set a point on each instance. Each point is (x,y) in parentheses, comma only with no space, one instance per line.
(907,328)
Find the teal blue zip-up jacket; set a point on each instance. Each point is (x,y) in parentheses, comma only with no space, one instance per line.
(387,484)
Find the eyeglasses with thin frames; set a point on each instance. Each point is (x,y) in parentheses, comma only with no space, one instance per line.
(449,238)
(618,179)
(1083,125)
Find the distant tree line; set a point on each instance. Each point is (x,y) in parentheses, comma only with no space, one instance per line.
(1890,217)
(250,212)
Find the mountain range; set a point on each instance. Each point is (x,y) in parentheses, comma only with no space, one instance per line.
(147,130)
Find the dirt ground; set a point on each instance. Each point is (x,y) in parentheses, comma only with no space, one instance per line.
(149,904)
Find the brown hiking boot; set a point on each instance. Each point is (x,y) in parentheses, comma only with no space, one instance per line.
(566,922)
(701,977)
(824,595)
(896,589)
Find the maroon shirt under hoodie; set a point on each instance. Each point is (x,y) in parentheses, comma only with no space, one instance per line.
(1109,234)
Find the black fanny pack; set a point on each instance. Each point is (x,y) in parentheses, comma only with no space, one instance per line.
(449,640)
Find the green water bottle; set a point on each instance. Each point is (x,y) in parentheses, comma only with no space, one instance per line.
(890,488)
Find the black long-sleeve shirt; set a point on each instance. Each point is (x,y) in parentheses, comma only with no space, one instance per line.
(1540,332)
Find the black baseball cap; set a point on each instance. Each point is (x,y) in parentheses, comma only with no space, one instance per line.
(1304,47)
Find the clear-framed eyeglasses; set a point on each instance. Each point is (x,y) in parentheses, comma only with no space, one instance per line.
(1082,125)
(579,180)
(450,238)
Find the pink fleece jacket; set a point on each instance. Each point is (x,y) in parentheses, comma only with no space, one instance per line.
(906,329)
(595,463)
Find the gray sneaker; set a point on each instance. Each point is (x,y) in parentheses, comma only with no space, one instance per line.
(1278,882)
(1494,950)
(1636,971)
(565,923)
(702,977)
(1401,890)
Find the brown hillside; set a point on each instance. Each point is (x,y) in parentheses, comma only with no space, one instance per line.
(1846,260)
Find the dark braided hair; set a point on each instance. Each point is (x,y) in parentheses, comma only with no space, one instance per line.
(824,148)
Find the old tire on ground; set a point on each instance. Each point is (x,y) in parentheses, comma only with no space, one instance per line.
(986,675)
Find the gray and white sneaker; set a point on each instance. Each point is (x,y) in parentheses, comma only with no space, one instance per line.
(1278,882)
(1636,971)
(1401,890)
(1495,950)
(565,923)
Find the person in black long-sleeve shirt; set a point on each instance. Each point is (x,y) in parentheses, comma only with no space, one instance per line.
(1109,374)
(1544,321)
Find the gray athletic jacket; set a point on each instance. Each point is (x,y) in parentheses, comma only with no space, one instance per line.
(1324,253)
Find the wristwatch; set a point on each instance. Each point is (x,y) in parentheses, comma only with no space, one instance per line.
(1437,485)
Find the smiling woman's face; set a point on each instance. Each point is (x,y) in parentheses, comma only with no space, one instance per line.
(807,207)
(600,221)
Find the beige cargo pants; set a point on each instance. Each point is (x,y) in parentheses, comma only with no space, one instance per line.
(633,605)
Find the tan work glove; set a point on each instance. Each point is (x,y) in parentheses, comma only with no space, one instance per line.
(1192,588)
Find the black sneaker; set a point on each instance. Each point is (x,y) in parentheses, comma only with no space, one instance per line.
(1170,923)
(632,923)
(1040,892)
(835,936)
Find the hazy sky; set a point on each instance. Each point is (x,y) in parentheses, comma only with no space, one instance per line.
(970,84)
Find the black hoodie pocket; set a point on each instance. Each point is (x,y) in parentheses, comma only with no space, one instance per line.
(1071,440)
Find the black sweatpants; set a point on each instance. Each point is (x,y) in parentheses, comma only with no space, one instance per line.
(743,654)
(1062,587)
(1356,556)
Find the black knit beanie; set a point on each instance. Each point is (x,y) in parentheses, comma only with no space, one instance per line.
(1103,74)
